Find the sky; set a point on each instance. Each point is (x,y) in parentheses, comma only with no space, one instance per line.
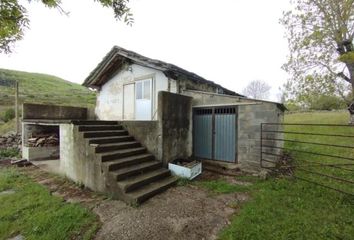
(227,41)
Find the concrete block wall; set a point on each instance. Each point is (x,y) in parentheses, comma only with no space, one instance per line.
(250,118)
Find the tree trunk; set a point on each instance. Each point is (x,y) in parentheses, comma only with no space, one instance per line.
(351,107)
(351,121)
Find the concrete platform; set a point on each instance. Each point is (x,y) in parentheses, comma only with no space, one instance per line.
(52,166)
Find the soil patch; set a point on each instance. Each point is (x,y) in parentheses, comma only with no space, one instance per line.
(183,212)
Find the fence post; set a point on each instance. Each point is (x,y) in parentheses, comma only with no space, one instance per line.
(16,108)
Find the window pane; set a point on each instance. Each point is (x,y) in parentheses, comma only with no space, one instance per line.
(147,89)
(139,90)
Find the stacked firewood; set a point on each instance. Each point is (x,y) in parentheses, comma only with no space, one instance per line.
(43,140)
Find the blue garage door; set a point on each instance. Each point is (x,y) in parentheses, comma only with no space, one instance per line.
(214,135)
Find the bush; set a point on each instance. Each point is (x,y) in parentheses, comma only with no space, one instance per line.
(8,115)
(326,102)
(8,153)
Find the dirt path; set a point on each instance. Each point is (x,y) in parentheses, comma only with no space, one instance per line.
(183,212)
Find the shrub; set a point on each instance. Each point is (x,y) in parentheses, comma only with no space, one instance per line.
(8,115)
(8,153)
(327,102)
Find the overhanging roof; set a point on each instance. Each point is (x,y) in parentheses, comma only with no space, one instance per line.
(117,57)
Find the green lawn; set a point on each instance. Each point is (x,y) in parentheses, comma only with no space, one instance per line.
(43,88)
(35,214)
(284,208)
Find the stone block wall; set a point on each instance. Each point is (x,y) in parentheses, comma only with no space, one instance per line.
(250,118)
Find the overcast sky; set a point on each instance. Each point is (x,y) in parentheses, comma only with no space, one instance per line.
(229,42)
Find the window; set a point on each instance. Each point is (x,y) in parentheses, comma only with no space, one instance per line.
(143,89)
(139,90)
(147,89)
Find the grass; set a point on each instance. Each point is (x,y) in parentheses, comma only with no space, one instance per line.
(285,208)
(7,127)
(46,89)
(223,187)
(42,89)
(10,152)
(34,213)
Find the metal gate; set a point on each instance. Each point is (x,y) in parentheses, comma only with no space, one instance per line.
(214,135)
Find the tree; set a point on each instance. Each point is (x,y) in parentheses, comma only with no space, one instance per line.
(257,89)
(14,19)
(320,35)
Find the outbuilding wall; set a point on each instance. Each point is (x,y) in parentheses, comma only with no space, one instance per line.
(251,114)
(109,105)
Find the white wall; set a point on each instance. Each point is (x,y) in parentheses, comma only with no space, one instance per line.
(109,104)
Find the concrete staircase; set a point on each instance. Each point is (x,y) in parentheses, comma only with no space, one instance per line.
(132,173)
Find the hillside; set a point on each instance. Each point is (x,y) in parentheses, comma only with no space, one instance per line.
(42,88)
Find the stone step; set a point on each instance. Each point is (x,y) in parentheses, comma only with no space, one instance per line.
(94,122)
(147,191)
(140,180)
(107,147)
(117,139)
(128,161)
(121,153)
(105,133)
(87,128)
(135,169)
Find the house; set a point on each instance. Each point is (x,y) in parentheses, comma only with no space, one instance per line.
(149,113)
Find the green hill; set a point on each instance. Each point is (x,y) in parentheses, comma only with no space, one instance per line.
(43,88)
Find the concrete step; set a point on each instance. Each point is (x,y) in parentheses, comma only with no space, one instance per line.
(117,139)
(105,133)
(94,122)
(106,147)
(140,180)
(147,191)
(121,153)
(87,128)
(128,161)
(135,169)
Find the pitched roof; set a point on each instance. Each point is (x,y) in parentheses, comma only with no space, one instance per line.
(116,58)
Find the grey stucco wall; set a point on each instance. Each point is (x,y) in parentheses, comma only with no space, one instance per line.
(78,160)
(40,111)
(148,133)
(175,121)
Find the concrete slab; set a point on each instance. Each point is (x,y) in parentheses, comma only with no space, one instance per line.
(52,166)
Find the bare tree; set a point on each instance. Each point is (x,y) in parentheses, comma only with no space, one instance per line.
(257,89)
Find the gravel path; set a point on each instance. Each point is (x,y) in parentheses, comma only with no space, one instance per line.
(182,212)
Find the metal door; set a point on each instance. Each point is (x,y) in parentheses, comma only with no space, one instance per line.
(202,139)
(214,135)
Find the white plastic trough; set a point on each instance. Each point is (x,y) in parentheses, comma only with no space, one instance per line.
(188,172)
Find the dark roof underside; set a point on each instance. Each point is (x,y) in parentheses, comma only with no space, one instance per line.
(118,57)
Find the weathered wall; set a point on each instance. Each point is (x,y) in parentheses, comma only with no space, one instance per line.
(109,104)
(40,153)
(250,116)
(77,159)
(175,121)
(39,111)
(148,133)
